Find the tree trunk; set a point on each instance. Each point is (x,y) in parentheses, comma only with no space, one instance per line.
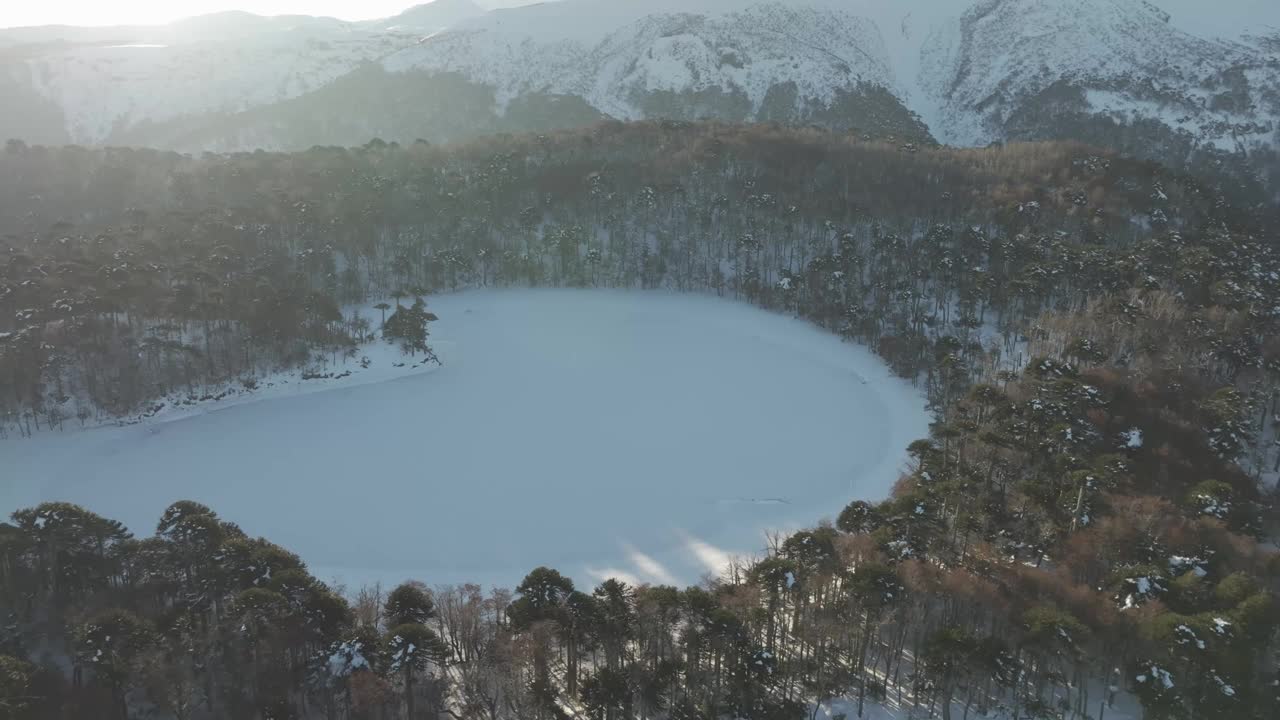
(408,692)
(862,663)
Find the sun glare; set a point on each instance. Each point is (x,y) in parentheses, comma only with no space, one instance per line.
(129,12)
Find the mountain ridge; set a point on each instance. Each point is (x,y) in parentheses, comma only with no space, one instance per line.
(1105,71)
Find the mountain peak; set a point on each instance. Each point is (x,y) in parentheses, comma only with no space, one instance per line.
(433,16)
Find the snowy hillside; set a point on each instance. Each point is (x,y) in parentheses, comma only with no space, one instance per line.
(964,73)
(612,54)
(429,18)
(1123,57)
(220,65)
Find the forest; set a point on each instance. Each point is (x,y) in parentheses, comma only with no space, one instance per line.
(1093,514)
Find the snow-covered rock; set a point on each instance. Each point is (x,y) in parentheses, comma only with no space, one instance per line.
(966,72)
(615,53)
(1116,59)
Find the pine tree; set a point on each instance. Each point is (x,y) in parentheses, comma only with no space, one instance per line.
(408,326)
(410,603)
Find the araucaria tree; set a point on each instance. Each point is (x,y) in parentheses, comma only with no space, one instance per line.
(408,327)
(1093,512)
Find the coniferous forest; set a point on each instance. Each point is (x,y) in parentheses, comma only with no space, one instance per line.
(1091,520)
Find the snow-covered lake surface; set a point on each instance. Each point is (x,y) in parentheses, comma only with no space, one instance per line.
(647,436)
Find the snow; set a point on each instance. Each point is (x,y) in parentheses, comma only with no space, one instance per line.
(1133,438)
(1145,588)
(1160,674)
(1015,50)
(1179,562)
(1211,506)
(374,362)
(346,658)
(1123,706)
(1189,635)
(599,432)
(1226,18)
(104,89)
(962,66)
(606,50)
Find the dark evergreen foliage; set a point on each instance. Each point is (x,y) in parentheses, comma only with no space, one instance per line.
(1096,338)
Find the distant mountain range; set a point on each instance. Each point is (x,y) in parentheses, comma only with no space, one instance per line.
(1121,73)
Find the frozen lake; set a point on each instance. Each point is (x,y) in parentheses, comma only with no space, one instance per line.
(639,435)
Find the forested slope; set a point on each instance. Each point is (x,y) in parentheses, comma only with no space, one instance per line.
(1097,338)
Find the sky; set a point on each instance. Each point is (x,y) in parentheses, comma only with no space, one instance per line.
(1221,17)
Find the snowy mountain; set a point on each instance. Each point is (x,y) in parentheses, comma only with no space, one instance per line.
(1034,67)
(431,17)
(1121,72)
